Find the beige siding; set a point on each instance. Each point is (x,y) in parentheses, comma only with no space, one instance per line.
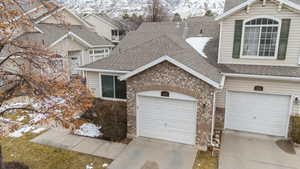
(271,9)
(66,45)
(101,27)
(63,17)
(93,83)
(270,87)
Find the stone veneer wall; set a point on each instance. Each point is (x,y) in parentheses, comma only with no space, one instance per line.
(166,76)
(219,118)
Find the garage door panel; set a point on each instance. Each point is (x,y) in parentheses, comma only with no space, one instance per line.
(168,119)
(260,113)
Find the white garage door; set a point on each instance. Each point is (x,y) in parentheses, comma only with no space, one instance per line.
(168,119)
(259,113)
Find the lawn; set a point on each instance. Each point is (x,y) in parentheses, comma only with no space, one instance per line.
(44,157)
(204,160)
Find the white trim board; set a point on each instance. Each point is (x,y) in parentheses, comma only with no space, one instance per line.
(103,70)
(78,38)
(249,2)
(69,11)
(296,79)
(175,62)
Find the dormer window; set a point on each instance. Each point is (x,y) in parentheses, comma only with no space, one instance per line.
(260,38)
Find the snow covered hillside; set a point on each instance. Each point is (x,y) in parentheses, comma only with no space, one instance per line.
(116,8)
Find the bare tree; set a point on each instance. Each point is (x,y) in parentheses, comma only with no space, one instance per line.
(28,68)
(1,162)
(157,12)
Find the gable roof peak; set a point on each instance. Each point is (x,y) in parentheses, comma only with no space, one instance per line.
(232,6)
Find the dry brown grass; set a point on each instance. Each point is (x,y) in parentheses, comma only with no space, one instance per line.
(44,157)
(204,160)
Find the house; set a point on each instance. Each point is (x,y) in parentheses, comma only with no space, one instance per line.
(107,27)
(239,71)
(65,34)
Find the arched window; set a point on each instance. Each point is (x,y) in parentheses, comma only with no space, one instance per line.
(260,37)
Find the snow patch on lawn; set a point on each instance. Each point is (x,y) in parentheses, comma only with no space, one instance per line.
(89,130)
(21,131)
(13,106)
(105,165)
(198,43)
(37,131)
(21,118)
(36,117)
(88,166)
(4,119)
(25,129)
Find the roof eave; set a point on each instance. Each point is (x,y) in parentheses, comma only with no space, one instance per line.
(249,2)
(270,77)
(175,62)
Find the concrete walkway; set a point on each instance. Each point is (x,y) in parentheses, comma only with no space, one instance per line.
(251,151)
(62,139)
(145,153)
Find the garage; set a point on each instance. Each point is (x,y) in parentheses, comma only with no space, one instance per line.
(171,118)
(258,113)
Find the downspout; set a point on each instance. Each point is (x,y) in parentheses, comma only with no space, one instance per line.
(213,119)
(214,109)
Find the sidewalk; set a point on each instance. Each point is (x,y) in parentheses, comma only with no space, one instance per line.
(62,139)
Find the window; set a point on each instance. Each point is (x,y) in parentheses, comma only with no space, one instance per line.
(260,37)
(112,87)
(96,54)
(56,64)
(115,34)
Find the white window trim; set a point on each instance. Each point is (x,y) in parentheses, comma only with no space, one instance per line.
(277,41)
(93,56)
(101,92)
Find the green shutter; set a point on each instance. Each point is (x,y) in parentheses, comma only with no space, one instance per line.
(284,37)
(238,29)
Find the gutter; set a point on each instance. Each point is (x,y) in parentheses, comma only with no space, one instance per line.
(103,70)
(295,79)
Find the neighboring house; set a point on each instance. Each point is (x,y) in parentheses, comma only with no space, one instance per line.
(109,28)
(181,80)
(75,43)
(66,34)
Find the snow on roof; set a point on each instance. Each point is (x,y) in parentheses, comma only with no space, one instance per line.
(198,43)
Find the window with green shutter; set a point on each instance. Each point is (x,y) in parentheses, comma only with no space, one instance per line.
(283,41)
(238,29)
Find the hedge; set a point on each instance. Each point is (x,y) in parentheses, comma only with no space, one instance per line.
(111,116)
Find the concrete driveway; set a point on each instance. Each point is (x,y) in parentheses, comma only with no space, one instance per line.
(250,151)
(144,153)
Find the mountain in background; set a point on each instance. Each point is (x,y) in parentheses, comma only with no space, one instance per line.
(117,8)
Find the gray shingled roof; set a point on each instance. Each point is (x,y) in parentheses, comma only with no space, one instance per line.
(53,32)
(262,70)
(229,4)
(154,40)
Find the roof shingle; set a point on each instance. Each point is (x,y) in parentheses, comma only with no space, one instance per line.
(154,40)
(53,32)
